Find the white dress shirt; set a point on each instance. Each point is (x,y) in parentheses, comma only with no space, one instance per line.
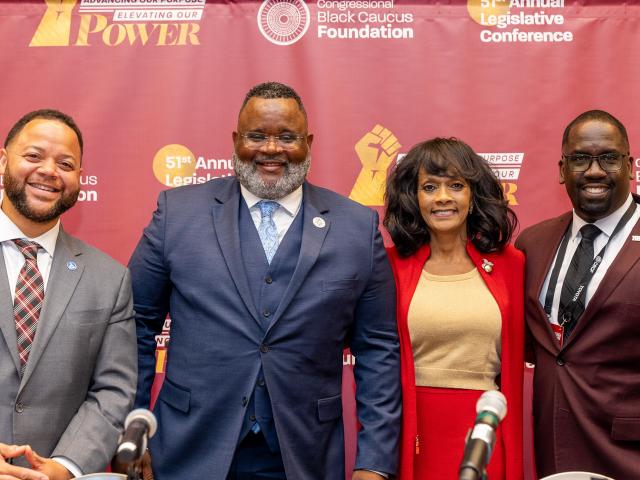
(607,225)
(14,261)
(283,216)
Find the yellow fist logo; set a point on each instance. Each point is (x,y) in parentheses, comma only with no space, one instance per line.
(376,150)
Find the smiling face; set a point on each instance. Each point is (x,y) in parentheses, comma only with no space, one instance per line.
(444,202)
(271,170)
(595,193)
(41,171)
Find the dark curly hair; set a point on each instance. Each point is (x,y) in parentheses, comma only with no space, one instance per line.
(492,222)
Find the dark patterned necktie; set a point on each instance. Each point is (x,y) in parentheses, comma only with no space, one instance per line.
(28,300)
(580,263)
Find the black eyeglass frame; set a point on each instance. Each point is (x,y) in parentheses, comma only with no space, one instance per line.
(262,139)
(588,159)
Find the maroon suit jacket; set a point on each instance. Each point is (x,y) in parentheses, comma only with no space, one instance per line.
(586,400)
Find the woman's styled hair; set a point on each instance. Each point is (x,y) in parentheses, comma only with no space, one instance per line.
(489,226)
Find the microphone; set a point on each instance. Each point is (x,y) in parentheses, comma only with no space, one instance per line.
(491,409)
(139,425)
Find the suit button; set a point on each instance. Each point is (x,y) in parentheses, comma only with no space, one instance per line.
(252,418)
(269,280)
(266,313)
(244,401)
(560,361)
(261,382)
(264,348)
(19,407)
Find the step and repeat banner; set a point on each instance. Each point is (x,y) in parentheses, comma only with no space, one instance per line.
(156,85)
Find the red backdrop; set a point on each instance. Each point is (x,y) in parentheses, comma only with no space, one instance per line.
(156,85)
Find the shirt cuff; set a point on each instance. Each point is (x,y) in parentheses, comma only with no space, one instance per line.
(382,474)
(69,465)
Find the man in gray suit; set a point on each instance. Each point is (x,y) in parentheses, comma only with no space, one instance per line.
(67,336)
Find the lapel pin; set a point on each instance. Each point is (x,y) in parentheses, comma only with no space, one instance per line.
(487,266)
(635,238)
(319,222)
(71,265)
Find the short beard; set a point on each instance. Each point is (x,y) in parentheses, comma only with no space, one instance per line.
(293,176)
(16,191)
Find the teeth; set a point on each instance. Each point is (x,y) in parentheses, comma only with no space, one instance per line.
(596,189)
(443,213)
(43,187)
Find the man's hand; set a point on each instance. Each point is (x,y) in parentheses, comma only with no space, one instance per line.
(366,475)
(52,469)
(10,472)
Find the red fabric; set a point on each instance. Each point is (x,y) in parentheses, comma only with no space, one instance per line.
(506,283)
(453,411)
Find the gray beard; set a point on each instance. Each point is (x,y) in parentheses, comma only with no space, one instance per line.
(293,176)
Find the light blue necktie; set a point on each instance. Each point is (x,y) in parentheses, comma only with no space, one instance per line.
(267,229)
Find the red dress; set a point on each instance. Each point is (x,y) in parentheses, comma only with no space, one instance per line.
(505,282)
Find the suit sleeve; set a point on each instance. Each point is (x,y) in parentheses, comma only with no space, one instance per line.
(91,437)
(151,291)
(374,342)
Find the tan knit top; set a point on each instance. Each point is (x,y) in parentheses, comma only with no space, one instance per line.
(455,326)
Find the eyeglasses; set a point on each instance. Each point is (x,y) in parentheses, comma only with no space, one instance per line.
(286,141)
(609,162)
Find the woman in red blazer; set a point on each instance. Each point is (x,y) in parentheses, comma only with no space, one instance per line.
(460,307)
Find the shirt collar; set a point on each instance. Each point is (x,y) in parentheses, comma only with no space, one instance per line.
(290,203)
(10,231)
(606,224)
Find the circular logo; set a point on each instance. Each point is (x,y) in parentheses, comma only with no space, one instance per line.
(480,10)
(283,22)
(173,163)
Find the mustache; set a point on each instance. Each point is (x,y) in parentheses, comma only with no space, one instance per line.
(271,159)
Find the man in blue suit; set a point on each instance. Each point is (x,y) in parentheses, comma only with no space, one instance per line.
(267,279)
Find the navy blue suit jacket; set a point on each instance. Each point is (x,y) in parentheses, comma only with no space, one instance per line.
(188,264)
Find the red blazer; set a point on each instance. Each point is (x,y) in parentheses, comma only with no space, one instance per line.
(506,283)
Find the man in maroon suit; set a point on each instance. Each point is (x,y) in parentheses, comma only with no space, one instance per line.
(583,309)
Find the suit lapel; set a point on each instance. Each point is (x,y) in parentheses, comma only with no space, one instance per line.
(64,276)
(542,267)
(225,219)
(409,273)
(7,322)
(315,227)
(622,264)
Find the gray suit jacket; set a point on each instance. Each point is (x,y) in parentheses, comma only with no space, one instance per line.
(80,380)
